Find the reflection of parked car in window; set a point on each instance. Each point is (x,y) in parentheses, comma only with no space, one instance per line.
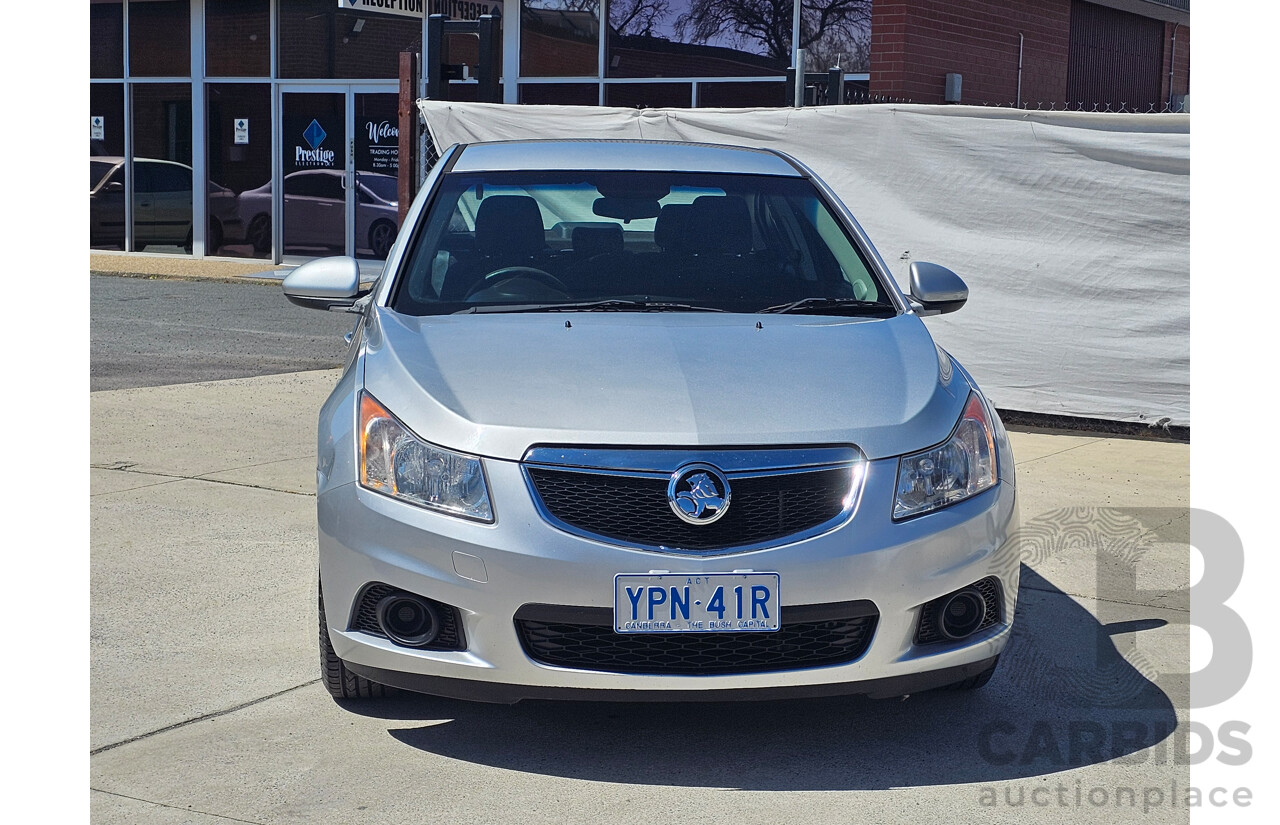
(314,211)
(162,195)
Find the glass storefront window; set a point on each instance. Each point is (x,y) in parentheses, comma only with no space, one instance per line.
(731,38)
(736,95)
(684,38)
(159,38)
(649,95)
(239,129)
(106,165)
(237,38)
(106,38)
(317,40)
(560,94)
(559,38)
(162,185)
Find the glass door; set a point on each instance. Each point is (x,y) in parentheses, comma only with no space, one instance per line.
(377,164)
(314,148)
(340,158)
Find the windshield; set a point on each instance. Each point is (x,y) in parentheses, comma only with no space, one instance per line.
(528,241)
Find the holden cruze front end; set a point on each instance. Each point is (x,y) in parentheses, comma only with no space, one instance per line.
(608,433)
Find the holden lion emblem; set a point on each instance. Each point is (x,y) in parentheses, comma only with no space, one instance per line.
(698,493)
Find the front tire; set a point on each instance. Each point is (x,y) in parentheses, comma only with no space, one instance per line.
(340,682)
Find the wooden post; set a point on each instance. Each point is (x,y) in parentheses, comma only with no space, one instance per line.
(406,180)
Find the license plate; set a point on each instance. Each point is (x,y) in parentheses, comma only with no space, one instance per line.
(706,603)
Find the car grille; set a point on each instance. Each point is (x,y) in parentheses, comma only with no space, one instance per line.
(633,509)
(365,618)
(929,632)
(584,639)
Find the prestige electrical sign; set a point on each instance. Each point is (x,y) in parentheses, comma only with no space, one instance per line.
(317,155)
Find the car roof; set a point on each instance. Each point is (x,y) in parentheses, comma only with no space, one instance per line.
(622,155)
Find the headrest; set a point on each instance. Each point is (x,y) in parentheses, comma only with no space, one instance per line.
(720,224)
(601,239)
(509,225)
(671,231)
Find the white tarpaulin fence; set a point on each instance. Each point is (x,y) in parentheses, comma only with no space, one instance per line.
(1072,230)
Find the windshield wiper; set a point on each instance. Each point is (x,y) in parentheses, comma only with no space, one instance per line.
(839,306)
(608,305)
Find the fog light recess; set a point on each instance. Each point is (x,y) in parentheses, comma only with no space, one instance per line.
(961,614)
(408,620)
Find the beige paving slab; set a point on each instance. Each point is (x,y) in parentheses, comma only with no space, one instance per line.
(202,597)
(1028,447)
(1110,518)
(194,429)
(113,809)
(1109,472)
(295,475)
(303,758)
(105,482)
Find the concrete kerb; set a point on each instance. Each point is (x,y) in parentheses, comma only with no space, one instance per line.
(188,269)
(182,268)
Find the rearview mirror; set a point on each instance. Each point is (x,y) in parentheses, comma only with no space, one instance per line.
(325,283)
(936,289)
(626,209)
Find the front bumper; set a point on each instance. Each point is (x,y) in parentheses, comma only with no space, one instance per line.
(489,571)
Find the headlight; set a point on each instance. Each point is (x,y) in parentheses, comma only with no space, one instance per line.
(963,466)
(396,462)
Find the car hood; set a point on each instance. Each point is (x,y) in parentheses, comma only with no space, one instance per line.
(496,384)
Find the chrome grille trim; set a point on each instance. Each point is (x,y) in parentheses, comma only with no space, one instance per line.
(657,465)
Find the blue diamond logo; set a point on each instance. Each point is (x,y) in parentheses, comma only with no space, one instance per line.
(314,134)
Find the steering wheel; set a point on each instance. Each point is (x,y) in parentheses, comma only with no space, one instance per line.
(510,273)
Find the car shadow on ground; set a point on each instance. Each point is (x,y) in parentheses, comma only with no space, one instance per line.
(1063,697)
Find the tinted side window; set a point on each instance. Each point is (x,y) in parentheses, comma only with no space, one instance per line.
(314,186)
(169,178)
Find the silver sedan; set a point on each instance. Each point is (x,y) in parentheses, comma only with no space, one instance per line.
(629,420)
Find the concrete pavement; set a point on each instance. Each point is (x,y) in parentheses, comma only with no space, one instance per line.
(205,705)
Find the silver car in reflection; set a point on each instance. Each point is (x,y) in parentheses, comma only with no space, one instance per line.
(650,421)
(315,212)
(162,205)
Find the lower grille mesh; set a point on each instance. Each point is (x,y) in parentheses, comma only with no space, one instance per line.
(594,645)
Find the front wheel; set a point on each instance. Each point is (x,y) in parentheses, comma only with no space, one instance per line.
(340,682)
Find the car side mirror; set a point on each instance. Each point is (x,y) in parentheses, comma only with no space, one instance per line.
(114,186)
(325,283)
(936,289)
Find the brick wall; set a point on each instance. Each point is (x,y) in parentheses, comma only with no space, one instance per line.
(915,43)
(1181,53)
